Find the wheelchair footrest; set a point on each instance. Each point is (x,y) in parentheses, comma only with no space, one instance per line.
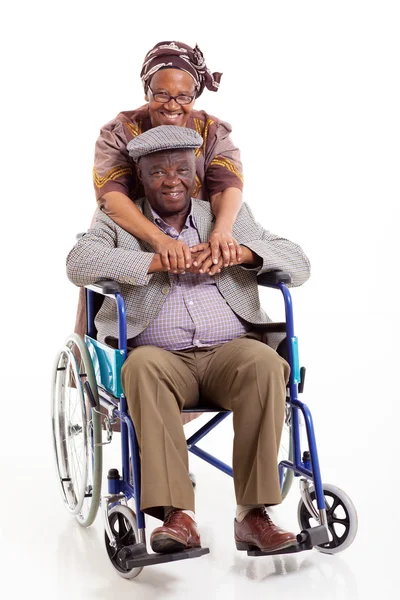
(306,540)
(136,555)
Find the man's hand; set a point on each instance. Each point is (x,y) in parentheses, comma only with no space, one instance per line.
(203,252)
(221,245)
(202,260)
(175,255)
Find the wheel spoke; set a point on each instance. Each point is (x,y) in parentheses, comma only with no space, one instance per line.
(76,468)
(75,458)
(73,413)
(331,509)
(73,467)
(336,539)
(344,522)
(121,526)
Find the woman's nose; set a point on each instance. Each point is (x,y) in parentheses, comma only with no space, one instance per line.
(171,104)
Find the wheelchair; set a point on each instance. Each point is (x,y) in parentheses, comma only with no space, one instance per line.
(87,378)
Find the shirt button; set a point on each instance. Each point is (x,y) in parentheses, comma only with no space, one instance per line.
(197,342)
(165,289)
(191,303)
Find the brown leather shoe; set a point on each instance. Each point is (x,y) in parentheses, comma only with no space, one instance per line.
(179,532)
(257,532)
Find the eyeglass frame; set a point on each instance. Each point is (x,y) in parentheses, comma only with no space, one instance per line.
(172,97)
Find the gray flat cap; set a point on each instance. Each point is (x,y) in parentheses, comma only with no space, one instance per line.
(164,137)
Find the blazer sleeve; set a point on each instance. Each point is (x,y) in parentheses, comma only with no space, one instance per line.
(277,253)
(95,256)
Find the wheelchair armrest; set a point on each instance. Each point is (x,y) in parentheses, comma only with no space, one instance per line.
(273,278)
(105,287)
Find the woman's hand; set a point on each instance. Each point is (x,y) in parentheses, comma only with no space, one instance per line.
(175,255)
(221,245)
(224,244)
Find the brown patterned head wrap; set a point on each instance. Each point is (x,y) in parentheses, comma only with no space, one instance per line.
(175,55)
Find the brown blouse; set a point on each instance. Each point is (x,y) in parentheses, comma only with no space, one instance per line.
(218,164)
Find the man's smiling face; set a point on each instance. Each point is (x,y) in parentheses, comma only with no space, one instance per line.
(168,178)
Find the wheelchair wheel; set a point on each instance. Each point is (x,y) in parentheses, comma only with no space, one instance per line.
(286,453)
(77,431)
(341,515)
(124,527)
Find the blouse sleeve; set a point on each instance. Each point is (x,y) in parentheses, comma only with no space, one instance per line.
(113,169)
(223,167)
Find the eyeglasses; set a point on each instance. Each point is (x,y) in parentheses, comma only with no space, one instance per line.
(164,98)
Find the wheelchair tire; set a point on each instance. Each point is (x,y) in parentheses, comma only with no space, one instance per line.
(123,525)
(77,431)
(340,513)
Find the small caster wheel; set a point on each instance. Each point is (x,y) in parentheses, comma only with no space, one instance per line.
(341,515)
(124,528)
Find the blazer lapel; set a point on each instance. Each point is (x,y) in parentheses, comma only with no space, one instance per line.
(146,210)
(203,222)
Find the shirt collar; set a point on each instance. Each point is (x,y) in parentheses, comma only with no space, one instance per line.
(169,229)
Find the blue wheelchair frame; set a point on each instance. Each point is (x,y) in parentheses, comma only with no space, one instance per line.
(108,363)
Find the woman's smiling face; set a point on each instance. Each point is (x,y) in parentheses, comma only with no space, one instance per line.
(173,82)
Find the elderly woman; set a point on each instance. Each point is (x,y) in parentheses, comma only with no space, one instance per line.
(174,75)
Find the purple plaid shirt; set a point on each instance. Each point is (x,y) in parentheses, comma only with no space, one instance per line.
(194,313)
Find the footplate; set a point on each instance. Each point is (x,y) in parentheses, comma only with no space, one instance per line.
(136,555)
(306,540)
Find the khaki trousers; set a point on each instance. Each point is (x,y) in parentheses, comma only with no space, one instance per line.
(244,376)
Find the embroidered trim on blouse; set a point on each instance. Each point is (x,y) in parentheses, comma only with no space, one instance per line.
(112,174)
(225,162)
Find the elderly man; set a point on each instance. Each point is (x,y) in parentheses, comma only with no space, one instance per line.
(194,333)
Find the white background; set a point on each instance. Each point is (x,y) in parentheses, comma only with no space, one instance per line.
(312,91)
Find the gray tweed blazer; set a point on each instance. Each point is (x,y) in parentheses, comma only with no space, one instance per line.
(107,251)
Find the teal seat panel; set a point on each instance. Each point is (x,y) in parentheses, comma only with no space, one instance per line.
(107,364)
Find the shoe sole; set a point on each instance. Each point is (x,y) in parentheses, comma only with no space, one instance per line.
(250,547)
(166,544)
